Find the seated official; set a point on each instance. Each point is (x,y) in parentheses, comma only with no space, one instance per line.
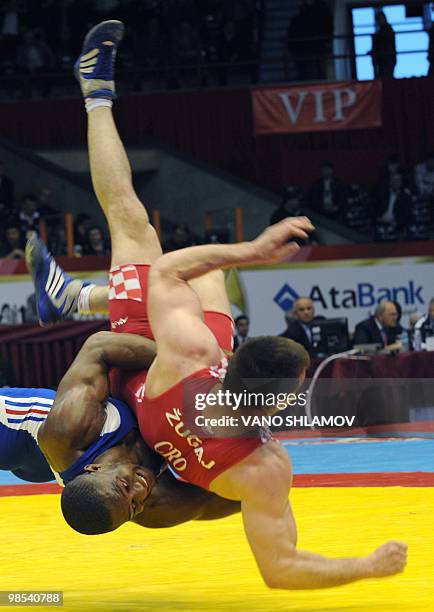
(242,324)
(380,329)
(299,324)
(424,328)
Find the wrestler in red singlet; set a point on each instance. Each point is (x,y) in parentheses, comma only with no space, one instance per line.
(164,420)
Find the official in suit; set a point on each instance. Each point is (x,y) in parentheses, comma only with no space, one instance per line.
(242,324)
(299,324)
(380,329)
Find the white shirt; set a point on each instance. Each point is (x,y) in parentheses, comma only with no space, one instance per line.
(389,215)
(424,180)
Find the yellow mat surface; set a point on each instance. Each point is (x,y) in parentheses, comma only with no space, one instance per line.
(208,566)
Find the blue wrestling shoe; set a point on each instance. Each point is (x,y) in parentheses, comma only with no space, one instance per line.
(56,292)
(95,67)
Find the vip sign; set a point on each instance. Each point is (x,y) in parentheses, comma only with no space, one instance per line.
(325,107)
(338,289)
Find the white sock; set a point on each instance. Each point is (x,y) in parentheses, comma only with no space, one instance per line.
(92,103)
(83,304)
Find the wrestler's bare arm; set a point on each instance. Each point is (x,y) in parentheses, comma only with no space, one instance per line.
(271,531)
(175,312)
(78,410)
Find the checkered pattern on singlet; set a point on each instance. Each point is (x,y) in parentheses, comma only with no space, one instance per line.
(124,284)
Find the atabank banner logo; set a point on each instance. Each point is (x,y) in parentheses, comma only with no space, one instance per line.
(363,295)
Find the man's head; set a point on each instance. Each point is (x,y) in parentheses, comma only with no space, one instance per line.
(95,236)
(387,313)
(304,310)
(290,199)
(393,163)
(267,364)
(106,496)
(13,236)
(29,204)
(44,196)
(242,325)
(396,182)
(181,235)
(327,170)
(431,308)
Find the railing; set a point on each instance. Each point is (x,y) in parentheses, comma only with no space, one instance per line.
(210,225)
(202,70)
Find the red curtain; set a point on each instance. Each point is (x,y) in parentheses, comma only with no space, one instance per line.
(40,356)
(216,126)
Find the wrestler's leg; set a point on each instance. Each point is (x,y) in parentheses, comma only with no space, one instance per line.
(212,293)
(210,289)
(133,239)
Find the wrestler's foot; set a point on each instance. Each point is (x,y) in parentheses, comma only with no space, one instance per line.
(95,67)
(56,292)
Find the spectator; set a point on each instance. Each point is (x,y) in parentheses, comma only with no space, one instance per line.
(392,166)
(45,205)
(424,177)
(13,245)
(412,320)
(242,324)
(393,207)
(180,239)
(217,235)
(95,242)
(327,193)
(57,243)
(289,206)
(424,328)
(383,48)
(299,324)
(35,55)
(7,189)
(398,331)
(10,30)
(29,215)
(81,227)
(186,44)
(381,328)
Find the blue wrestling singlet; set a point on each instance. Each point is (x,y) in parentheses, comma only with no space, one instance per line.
(22,412)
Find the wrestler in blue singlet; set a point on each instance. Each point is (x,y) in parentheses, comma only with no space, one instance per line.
(22,412)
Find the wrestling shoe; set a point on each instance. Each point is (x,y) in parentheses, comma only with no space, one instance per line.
(95,67)
(56,292)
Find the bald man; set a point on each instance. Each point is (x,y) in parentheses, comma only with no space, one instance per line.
(299,324)
(381,328)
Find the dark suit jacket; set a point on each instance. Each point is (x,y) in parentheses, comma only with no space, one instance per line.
(402,210)
(237,343)
(367,332)
(338,192)
(295,331)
